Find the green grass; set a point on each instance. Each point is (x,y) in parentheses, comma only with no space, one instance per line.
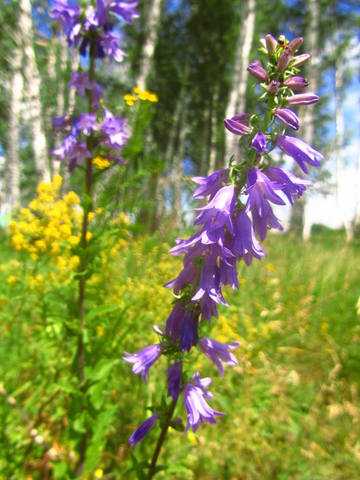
(292,403)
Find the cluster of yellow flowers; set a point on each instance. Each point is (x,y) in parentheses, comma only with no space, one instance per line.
(100,162)
(139,94)
(49,226)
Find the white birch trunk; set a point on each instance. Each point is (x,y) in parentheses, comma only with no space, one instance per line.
(357,208)
(212,159)
(154,14)
(13,163)
(60,99)
(32,92)
(239,78)
(312,35)
(339,122)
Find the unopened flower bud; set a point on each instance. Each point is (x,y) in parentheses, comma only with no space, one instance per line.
(296,82)
(295,44)
(284,60)
(257,70)
(301,59)
(288,117)
(271,44)
(302,99)
(273,87)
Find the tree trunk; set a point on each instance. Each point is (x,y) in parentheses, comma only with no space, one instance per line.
(300,223)
(60,98)
(237,98)
(32,92)
(177,171)
(154,14)
(213,132)
(339,121)
(13,163)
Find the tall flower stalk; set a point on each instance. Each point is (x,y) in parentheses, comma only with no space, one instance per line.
(96,134)
(237,217)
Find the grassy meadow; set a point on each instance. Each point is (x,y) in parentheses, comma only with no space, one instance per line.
(292,404)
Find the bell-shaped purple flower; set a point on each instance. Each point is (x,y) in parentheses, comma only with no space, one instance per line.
(265,219)
(211,184)
(61,123)
(245,244)
(85,123)
(295,44)
(228,273)
(80,81)
(288,183)
(260,188)
(198,411)
(143,359)
(273,87)
(209,284)
(271,43)
(258,143)
(300,59)
(218,212)
(284,60)
(68,15)
(288,117)
(115,130)
(182,326)
(302,99)
(300,151)
(238,124)
(219,353)
(187,276)
(257,70)
(174,379)
(143,430)
(126,10)
(110,43)
(297,83)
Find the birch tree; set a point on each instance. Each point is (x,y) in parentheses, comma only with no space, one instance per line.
(33,92)
(237,97)
(13,160)
(299,221)
(153,20)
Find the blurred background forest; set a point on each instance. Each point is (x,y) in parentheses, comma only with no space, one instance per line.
(293,401)
(194,55)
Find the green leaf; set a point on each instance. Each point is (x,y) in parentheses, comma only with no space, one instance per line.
(101,310)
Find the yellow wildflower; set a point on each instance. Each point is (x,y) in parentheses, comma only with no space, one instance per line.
(130,99)
(11,279)
(101,162)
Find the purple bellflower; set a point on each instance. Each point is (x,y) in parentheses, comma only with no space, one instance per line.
(300,151)
(288,117)
(245,244)
(289,183)
(143,430)
(259,143)
(85,123)
(300,59)
(297,83)
(143,359)
(257,70)
(238,124)
(211,184)
(219,210)
(174,379)
(126,10)
(219,353)
(198,411)
(302,99)
(115,130)
(273,87)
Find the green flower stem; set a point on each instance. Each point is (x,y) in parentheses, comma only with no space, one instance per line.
(161,439)
(82,272)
